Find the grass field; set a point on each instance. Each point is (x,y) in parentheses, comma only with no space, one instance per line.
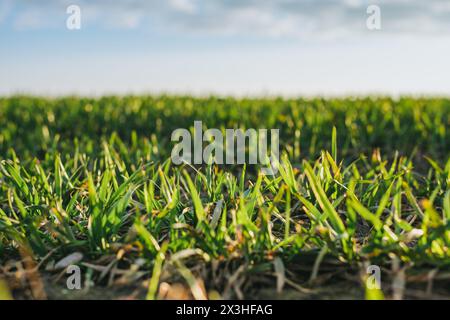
(89,182)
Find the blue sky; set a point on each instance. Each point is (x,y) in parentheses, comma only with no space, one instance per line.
(231,47)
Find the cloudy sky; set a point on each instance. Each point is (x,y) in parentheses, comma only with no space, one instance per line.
(237,47)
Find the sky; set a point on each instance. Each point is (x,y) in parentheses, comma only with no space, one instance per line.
(225,47)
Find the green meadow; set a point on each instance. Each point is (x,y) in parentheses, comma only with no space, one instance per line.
(362,182)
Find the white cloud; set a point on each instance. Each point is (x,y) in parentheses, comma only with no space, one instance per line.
(30,19)
(277,18)
(186,6)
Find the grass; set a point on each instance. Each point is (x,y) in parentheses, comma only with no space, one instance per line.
(362,182)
